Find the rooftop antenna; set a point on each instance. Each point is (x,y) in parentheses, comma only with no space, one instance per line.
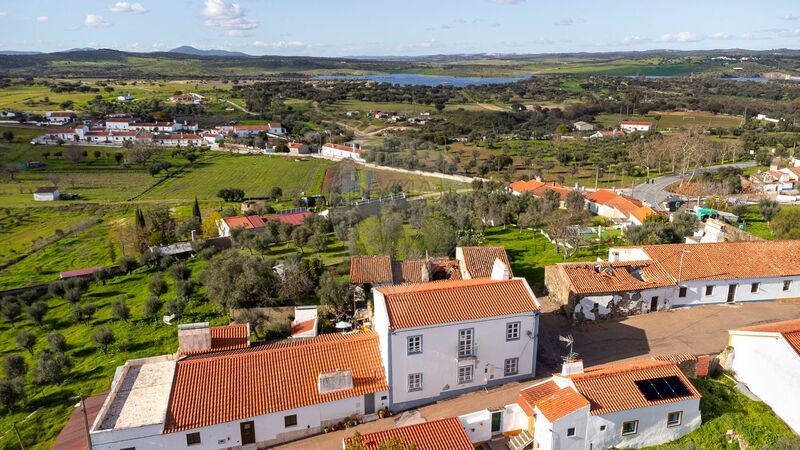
(568,341)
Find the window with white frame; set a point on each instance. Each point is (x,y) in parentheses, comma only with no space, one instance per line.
(465,374)
(754,288)
(511,367)
(414,382)
(710,290)
(414,344)
(674,418)
(630,427)
(512,331)
(466,342)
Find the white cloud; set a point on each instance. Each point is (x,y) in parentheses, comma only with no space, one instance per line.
(225,15)
(280,45)
(507,2)
(790,17)
(3,13)
(683,36)
(720,35)
(633,40)
(565,22)
(95,21)
(41,19)
(236,33)
(125,7)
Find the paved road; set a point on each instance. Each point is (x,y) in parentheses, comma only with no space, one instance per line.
(701,330)
(655,192)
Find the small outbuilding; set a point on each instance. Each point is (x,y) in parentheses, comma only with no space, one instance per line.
(46,194)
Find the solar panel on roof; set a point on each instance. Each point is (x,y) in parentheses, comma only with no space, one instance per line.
(663,388)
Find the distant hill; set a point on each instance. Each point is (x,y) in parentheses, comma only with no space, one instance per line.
(17,53)
(187,50)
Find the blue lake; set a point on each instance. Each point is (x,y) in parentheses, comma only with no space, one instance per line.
(415,79)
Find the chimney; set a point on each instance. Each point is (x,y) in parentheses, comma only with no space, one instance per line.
(571,367)
(500,270)
(194,337)
(338,380)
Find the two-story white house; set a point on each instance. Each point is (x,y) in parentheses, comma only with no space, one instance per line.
(767,359)
(444,338)
(624,405)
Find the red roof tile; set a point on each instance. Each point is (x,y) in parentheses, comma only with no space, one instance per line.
(553,402)
(610,388)
(416,305)
(371,269)
(612,277)
(724,260)
(442,434)
(245,222)
(479,261)
(247,383)
(73,435)
(294,219)
(633,122)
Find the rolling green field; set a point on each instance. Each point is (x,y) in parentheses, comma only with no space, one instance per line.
(49,406)
(674,120)
(255,174)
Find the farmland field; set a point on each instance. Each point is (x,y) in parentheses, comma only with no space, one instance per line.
(676,119)
(255,174)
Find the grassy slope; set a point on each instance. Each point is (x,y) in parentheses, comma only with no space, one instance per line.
(255,174)
(723,409)
(530,252)
(93,370)
(676,120)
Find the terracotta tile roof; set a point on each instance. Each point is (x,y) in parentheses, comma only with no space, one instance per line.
(795,170)
(410,271)
(46,189)
(260,380)
(677,358)
(294,219)
(633,122)
(789,329)
(416,305)
(562,191)
(479,261)
(601,196)
(724,260)
(643,213)
(610,388)
(625,205)
(245,222)
(553,402)
(524,186)
(62,114)
(611,277)
(442,434)
(228,337)
(370,269)
(345,148)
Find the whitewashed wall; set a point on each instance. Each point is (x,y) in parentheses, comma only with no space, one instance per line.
(269,428)
(771,369)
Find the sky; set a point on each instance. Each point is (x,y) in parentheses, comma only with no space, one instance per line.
(398,28)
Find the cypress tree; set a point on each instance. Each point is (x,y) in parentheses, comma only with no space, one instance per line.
(196,210)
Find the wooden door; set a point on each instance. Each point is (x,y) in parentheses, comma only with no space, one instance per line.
(248,430)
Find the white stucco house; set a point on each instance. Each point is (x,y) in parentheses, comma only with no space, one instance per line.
(60,117)
(633,126)
(658,277)
(219,392)
(767,359)
(583,126)
(624,405)
(46,194)
(448,337)
(343,152)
